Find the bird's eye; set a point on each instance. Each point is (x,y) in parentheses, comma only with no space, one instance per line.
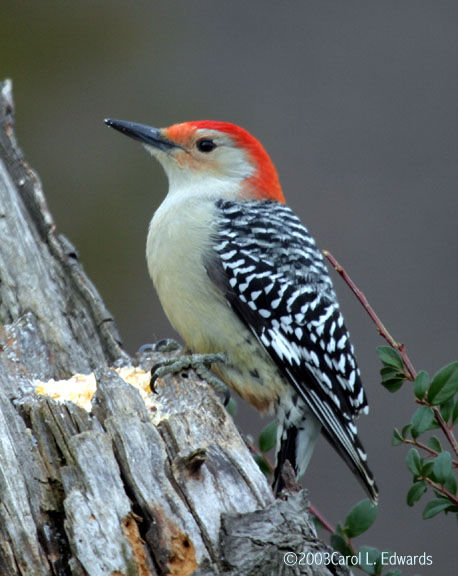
(205,145)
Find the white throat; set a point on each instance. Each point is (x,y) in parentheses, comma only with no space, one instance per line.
(224,179)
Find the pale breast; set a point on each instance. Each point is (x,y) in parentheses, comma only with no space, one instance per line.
(178,242)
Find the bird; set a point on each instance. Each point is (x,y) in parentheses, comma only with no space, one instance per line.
(237,272)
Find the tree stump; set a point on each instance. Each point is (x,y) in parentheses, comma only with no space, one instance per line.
(125,488)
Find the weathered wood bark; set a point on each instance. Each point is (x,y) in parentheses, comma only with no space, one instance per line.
(119,490)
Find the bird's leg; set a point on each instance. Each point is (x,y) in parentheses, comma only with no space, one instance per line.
(200,363)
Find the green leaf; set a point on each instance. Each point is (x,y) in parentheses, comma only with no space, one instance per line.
(455,413)
(396,440)
(390,357)
(444,384)
(393,384)
(427,468)
(369,559)
(416,492)
(360,518)
(421,420)
(406,430)
(421,384)
(414,461)
(434,444)
(435,506)
(268,437)
(450,483)
(231,407)
(442,466)
(339,543)
(446,409)
(317,522)
(392,371)
(388,373)
(339,529)
(261,462)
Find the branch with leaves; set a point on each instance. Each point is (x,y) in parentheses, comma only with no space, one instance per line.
(431,464)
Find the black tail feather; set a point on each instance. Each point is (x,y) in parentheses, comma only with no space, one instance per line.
(287,451)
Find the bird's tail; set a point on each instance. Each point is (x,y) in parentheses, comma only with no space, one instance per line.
(295,442)
(354,455)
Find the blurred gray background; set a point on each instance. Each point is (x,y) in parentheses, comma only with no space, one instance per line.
(357,103)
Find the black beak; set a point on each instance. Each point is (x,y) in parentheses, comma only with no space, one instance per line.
(143,133)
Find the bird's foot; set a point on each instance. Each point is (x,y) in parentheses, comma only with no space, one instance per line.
(200,363)
(164,345)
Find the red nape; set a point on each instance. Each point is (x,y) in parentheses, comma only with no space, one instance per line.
(264,184)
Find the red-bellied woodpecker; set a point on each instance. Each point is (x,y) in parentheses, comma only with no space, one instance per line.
(237,272)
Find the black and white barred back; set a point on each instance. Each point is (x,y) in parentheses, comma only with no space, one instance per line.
(277,282)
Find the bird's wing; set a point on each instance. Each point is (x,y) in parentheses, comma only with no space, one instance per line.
(275,279)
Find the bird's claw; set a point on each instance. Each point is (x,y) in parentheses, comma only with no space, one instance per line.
(200,363)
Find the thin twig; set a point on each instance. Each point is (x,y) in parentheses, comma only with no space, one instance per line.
(421,446)
(440,489)
(426,449)
(443,424)
(381,328)
(446,430)
(321,519)
(410,373)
